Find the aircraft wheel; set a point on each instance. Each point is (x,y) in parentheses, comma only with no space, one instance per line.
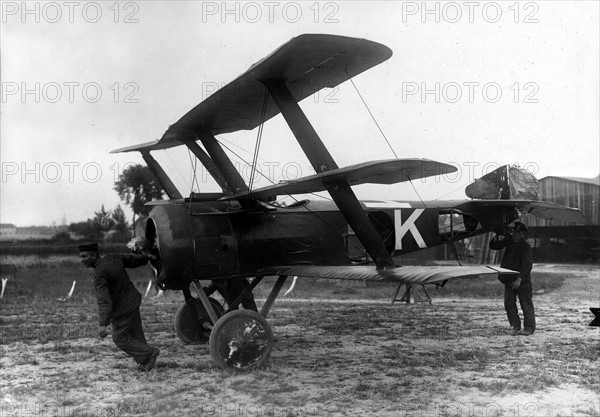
(241,341)
(186,327)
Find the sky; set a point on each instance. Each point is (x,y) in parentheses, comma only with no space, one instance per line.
(474,84)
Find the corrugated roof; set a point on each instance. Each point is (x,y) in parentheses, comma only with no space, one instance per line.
(593,181)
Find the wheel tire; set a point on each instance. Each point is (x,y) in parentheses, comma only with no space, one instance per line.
(186,327)
(241,341)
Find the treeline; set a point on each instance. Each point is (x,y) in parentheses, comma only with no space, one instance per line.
(105,226)
(136,186)
(48,248)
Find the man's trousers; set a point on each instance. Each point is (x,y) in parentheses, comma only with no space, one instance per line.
(525,295)
(128,335)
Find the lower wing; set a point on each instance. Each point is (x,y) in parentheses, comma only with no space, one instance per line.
(400,274)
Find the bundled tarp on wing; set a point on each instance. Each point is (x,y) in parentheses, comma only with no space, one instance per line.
(522,183)
(505,183)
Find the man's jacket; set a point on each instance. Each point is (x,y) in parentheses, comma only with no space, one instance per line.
(115,292)
(517,257)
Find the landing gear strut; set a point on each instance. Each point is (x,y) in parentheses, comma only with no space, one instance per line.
(190,321)
(240,340)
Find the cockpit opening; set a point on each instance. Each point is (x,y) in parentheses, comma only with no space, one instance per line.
(454,224)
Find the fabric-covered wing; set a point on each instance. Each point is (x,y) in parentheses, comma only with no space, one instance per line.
(149,146)
(401,274)
(374,172)
(308,63)
(542,209)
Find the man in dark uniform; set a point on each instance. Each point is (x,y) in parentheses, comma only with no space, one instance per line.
(119,302)
(517,257)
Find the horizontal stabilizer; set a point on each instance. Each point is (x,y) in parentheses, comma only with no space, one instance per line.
(374,172)
(541,209)
(551,211)
(401,274)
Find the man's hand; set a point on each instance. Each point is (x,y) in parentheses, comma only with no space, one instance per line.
(516,284)
(502,231)
(498,237)
(102,331)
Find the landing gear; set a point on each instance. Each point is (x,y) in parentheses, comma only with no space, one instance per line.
(190,318)
(241,341)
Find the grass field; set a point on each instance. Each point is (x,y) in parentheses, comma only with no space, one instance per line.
(341,349)
(55,280)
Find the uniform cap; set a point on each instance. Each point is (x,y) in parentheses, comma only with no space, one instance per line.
(520,227)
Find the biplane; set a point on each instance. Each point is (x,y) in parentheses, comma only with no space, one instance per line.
(241,232)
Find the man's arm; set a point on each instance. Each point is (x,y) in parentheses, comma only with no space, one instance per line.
(526,261)
(525,267)
(498,242)
(103,297)
(134,261)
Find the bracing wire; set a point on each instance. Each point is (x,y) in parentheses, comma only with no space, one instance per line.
(222,139)
(415,188)
(383,134)
(450,192)
(258,140)
(291,196)
(259,172)
(194,164)
(242,159)
(373,117)
(176,166)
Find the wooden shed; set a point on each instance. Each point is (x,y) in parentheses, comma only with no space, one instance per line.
(583,193)
(555,241)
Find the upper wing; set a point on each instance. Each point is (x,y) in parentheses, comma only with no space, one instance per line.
(307,63)
(150,146)
(373,172)
(400,274)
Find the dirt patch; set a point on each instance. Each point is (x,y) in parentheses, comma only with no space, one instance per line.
(332,358)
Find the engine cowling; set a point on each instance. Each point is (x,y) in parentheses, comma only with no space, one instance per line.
(193,244)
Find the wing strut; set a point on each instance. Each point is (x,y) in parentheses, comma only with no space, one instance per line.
(161,176)
(322,161)
(208,164)
(223,164)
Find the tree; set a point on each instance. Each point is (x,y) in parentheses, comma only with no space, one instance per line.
(120,231)
(87,229)
(118,217)
(105,225)
(137,186)
(103,220)
(62,237)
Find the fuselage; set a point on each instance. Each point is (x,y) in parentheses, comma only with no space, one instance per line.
(213,240)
